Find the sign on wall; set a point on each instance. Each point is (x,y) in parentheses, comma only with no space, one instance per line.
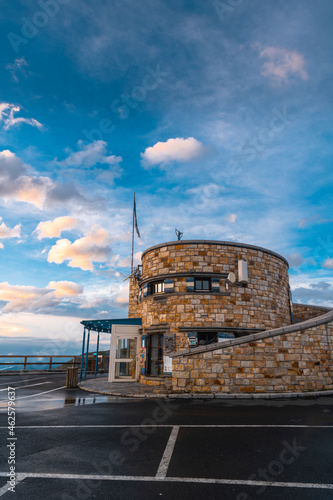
(167,368)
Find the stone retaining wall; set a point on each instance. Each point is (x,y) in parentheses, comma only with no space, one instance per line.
(295,362)
(302,312)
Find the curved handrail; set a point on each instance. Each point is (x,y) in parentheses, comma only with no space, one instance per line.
(323,319)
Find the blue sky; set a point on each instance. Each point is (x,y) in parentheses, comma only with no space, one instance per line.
(218,114)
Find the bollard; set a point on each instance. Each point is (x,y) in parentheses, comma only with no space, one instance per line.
(71,378)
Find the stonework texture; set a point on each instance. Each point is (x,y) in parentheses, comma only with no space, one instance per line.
(296,362)
(263,303)
(303,312)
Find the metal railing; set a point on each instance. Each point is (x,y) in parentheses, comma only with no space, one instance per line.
(50,361)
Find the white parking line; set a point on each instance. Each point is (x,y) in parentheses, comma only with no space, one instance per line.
(202,480)
(165,461)
(125,426)
(4,489)
(24,386)
(40,393)
(24,380)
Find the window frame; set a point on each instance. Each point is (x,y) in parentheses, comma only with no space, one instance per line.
(154,287)
(202,280)
(213,340)
(158,363)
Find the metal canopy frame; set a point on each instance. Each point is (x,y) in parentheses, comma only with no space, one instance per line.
(99,326)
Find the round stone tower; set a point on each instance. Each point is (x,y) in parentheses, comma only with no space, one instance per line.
(209,288)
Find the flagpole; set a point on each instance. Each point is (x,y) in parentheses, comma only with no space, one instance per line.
(132,260)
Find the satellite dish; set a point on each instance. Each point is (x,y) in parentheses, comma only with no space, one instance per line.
(232,277)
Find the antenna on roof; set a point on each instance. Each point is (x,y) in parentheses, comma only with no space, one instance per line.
(178,234)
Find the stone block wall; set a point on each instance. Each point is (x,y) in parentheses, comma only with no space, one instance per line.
(134,308)
(263,303)
(302,312)
(296,362)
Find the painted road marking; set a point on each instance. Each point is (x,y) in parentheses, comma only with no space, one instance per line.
(24,380)
(181,426)
(165,461)
(40,393)
(4,489)
(202,480)
(24,386)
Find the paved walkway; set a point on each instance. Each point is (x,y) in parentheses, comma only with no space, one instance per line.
(122,389)
(136,390)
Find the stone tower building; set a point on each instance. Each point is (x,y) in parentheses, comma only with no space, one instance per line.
(194,293)
(216,317)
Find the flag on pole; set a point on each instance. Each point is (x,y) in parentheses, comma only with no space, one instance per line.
(135,219)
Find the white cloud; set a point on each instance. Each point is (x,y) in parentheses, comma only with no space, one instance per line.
(34,190)
(54,228)
(26,298)
(282,64)
(328,264)
(231,218)
(126,261)
(46,333)
(7,232)
(105,297)
(18,67)
(19,183)
(65,289)
(320,293)
(94,247)
(20,298)
(205,197)
(178,149)
(295,259)
(43,333)
(314,220)
(8,328)
(122,294)
(7,111)
(91,154)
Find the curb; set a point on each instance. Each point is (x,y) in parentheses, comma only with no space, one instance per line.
(288,395)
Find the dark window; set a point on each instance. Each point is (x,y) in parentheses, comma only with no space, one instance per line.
(157,287)
(155,354)
(203,284)
(207,338)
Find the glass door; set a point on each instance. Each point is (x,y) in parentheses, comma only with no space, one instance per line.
(124,353)
(126,358)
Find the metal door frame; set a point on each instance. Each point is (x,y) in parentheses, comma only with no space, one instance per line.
(125,332)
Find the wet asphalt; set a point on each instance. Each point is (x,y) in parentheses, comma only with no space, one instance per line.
(71,444)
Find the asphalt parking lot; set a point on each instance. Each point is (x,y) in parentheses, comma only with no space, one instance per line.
(70,444)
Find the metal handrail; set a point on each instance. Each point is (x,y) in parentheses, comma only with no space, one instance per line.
(49,360)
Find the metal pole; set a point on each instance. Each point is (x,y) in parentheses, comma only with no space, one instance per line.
(291,306)
(82,355)
(96,362)
(87,351)
(132,260)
